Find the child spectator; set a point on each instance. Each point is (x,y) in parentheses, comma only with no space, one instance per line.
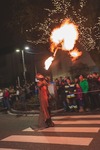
(79,97)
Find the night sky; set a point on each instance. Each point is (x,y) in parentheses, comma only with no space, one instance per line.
(4,17)
(6,36)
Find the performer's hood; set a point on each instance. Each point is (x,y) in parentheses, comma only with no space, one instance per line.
(39,76)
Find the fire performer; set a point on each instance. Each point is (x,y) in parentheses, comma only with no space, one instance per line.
(44,117)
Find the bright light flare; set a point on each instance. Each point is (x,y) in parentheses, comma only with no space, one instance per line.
(48,62)
(66,35)
(75,54)
(27,48)
(17,50)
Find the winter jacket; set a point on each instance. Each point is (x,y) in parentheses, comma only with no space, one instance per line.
(84,85)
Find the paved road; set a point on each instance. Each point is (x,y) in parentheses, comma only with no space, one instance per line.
(71,132)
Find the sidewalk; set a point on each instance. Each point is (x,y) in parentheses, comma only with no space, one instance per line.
(53,112)
(28,109)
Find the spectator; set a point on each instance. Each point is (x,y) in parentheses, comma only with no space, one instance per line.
(17,93)
(85,88)
(52,88)
(70,93)
(63,96)
(94,93)
(6,99)
(12,93)
(79,97)
(1,97)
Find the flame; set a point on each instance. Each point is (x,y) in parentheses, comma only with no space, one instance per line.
(48,62)
(63,37)
(66,35)
(75,54)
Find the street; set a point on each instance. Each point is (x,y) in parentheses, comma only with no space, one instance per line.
(71,131)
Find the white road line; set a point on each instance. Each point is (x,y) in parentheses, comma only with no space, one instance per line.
(49,140)
(72,117)
(77,122)
(81,141)
(9,149)
(67,129)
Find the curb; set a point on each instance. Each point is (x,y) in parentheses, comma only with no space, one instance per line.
(33,112)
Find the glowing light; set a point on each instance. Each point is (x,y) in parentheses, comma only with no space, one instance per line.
(75,54)
(26,48)
(66,35)
(48,62)
(17,50)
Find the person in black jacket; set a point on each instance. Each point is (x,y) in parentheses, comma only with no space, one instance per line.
(70,93)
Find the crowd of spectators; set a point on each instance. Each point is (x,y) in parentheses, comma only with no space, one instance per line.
(9,96)
(77,95)
(80,94)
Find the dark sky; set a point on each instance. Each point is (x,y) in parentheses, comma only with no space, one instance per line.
(4,17)
(6,42)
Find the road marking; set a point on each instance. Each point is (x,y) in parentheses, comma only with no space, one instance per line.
(67,129)
(8,149)
(77,117)
(78,122)
(61,120)
(49,140)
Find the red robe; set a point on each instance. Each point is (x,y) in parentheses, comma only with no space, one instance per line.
(44,105)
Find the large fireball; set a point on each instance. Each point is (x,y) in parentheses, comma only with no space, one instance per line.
(66,35)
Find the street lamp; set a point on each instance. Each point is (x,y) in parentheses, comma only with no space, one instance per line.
(27,48)
(28,51)
(23,60)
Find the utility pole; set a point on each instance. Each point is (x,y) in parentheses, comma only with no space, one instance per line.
(24,67)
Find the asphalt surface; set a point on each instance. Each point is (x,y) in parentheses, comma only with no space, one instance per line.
(72,131)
